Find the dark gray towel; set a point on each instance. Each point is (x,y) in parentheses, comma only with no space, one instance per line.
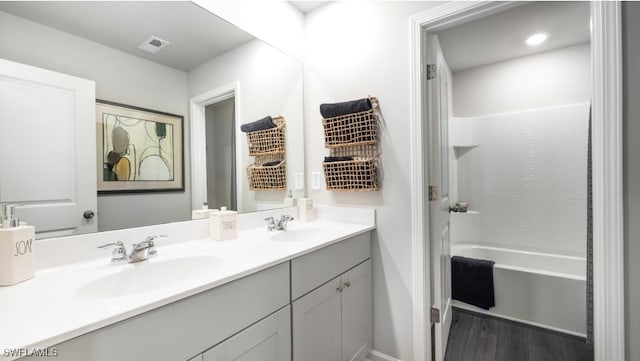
(472,281)
(272,163)
(338,109)
(262,124)
(337,159)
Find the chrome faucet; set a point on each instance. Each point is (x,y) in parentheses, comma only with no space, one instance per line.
(119,253)
(142,250)
(280,224)
(139,251)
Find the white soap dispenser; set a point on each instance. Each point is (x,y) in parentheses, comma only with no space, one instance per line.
(16,248)
(305,208)
(223,224)
(289,201)
(201,213)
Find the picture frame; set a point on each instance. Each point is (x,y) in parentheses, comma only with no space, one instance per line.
(138,149)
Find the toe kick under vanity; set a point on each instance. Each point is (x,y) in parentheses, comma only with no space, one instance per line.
(302,294)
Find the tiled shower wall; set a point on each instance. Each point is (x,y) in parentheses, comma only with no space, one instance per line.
(528,178)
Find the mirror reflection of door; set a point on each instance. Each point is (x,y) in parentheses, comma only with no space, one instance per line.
(42,126)
(221,154)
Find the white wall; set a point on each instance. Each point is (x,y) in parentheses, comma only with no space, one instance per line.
(277,23)
(270,84)
(631,148)
(121,78)
(356,49)
(547,79)
(528,179)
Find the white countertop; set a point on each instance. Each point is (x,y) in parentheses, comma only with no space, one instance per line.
(60,304)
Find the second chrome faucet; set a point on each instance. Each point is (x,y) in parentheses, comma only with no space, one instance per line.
(280,224)
(139,251)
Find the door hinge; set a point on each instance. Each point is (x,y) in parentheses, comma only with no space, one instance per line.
(433,193)
(435,315)
(432,71)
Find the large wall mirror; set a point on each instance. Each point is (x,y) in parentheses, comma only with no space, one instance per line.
(210,67)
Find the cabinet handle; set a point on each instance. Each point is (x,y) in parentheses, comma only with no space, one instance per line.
(339,288)
(348,283)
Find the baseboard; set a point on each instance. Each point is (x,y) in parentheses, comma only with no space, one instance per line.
(362,353)
(379,356)
(468,308)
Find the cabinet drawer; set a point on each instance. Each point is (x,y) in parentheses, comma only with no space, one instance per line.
(267,340)
(185,328)
(314,269)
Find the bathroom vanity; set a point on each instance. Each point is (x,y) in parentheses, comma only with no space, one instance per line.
(299,294)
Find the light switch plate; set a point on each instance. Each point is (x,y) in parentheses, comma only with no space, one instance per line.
(316,180)
(299,180)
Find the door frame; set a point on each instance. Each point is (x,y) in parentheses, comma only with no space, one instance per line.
(608,262)
(197,105)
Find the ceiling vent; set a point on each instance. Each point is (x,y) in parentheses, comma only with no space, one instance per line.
(153,45)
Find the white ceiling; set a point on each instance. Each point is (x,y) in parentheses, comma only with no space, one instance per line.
(307,6)
(501,36)
(196,35)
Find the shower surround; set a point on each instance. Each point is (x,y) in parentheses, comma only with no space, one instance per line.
(527,177)
(524,175)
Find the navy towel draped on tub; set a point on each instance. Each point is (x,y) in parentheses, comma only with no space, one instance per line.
(472,281)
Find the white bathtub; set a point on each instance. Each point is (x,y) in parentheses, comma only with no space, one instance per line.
(540,289)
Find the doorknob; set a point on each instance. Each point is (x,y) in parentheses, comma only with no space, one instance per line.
(88,214)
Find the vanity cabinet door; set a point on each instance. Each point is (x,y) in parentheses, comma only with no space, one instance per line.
(316,268)
(317,324)
(357,312)
(267,340)
(334,321)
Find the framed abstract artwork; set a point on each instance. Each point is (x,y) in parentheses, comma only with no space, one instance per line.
(139,150)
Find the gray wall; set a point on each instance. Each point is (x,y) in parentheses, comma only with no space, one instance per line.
(631,147)
(220,154)
(120,78)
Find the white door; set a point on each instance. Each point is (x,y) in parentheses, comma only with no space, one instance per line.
(438,115)
(48,149)
(267,340)
(357,312)
(317,329)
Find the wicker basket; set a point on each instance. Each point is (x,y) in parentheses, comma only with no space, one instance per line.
(352,129)
(268,141)
(352,175)
(267,178)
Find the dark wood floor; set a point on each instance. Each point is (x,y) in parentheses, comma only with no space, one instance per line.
(476,337)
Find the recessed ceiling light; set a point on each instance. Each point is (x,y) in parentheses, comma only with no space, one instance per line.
(153,45)
(537,39)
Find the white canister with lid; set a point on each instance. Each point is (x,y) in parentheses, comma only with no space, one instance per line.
(223,224)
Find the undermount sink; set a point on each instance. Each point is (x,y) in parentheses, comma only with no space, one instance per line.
(145,276)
